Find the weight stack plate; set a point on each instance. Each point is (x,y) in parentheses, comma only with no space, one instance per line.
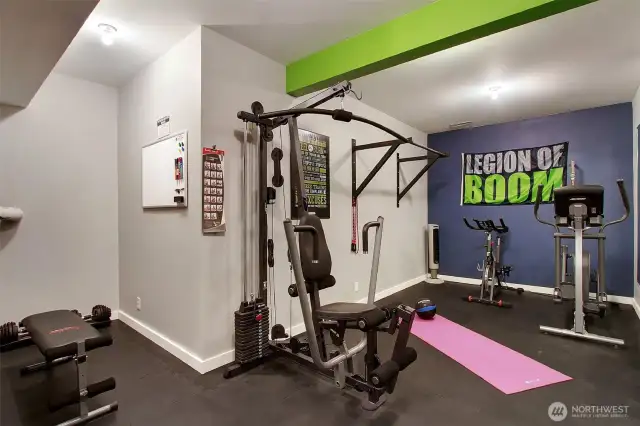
(251,332)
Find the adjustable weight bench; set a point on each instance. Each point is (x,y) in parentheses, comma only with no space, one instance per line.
(62,336)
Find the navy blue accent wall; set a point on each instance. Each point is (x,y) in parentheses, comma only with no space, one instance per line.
(601,144)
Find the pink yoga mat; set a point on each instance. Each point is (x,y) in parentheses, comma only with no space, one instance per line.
(504,368)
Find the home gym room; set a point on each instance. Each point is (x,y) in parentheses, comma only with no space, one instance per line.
(374,212)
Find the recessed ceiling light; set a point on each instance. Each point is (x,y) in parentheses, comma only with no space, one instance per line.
(108,33)
(494,90)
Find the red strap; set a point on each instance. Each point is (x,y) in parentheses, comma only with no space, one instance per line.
(354,225)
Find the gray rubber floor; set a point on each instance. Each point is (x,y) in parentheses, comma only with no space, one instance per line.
(154,388)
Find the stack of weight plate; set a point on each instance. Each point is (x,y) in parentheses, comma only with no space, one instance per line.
(252,332)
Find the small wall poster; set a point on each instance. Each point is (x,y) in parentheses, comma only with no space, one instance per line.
(213,219)
(314,149)
(164,126)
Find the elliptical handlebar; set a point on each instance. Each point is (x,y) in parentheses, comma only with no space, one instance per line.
(537,194)
(625,202)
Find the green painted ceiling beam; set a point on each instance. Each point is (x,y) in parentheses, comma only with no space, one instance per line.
(435,27)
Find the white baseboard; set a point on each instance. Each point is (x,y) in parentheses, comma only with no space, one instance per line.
(183,354)
(224,358)
(636,306)
(393,290)
(624,300)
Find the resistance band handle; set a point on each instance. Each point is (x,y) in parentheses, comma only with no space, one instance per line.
(276,156)
(365,234)
(316,242)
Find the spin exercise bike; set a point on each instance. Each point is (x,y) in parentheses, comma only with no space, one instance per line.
(493,272)
(580,208)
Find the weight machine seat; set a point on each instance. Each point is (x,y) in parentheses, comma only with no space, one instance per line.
(343,311)
(56,333)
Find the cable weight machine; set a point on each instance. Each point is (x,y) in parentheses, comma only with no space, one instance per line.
(311,263)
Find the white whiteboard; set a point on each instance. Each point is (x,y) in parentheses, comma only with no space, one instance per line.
(159,184)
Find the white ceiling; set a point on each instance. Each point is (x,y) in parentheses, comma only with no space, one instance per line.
(284,30)
(583,58)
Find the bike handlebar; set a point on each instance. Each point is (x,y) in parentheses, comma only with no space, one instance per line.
(487,226)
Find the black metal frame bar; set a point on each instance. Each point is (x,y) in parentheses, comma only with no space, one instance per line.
(356,189)
(431,159)
(338,114)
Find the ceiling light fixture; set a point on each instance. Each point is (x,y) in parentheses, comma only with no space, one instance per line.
(108,33)
(494,92)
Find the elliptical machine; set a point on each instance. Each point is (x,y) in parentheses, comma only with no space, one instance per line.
(493,272)
(580,208)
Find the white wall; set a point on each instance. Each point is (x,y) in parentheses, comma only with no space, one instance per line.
(636,124)
(161,255)
(235,76)
(59,166)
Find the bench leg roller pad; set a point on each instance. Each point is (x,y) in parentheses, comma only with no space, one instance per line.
(385,373)
(74,397)
(406,357)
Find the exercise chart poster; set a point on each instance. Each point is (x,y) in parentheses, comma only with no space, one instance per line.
(213,218)
(314,149)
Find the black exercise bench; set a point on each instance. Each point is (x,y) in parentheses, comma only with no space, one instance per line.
(62,336)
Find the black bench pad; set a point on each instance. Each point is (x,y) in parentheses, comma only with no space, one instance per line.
(55,333)
(343,311)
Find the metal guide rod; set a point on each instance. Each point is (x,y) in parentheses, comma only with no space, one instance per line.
(243,213)
(255,206)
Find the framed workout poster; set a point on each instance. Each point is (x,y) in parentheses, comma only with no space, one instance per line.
(314,149)
(213,219)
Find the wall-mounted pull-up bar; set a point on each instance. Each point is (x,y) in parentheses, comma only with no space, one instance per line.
(431,159)
(393,146)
